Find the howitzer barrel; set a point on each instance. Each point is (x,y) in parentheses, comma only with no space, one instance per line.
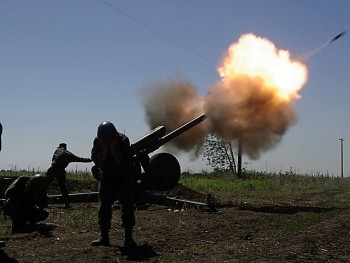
(157,137)
(171,135)
(162,171)
(149,142)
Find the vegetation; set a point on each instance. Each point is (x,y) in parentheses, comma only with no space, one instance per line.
(267,188)
(72,174)
(257,187)
(245,236)
(219,154)
(220,182)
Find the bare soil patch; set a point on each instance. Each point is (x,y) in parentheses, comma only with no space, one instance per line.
(245,233)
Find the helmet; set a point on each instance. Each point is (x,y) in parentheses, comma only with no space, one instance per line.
(62,145)
(37,183)
(106,131)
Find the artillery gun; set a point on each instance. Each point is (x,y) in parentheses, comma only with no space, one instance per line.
(159,172)
(162,171)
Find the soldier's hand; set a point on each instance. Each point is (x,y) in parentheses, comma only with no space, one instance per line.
(102,145)
(113,144)
(96,172)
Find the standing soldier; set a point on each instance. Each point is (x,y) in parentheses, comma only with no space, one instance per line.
(111,154)
(60,160)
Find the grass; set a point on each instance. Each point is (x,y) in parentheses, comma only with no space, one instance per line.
(78,220)
(287,189)
(71,174)
(258,189)
(273,188)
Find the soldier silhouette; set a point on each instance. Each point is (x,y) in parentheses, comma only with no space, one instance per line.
(60,160)
(25,200)
(111,154)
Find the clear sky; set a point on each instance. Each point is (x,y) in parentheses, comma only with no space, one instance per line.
(66,66)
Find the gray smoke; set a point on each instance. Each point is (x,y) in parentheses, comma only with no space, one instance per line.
(171,104)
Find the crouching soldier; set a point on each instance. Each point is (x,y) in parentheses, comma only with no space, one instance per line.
(25,200)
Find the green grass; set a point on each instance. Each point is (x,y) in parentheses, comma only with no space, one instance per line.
(346,258)
(80,175)
(273,188)
(259,189)
(79,220)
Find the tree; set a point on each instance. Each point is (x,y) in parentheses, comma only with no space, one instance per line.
(219,154)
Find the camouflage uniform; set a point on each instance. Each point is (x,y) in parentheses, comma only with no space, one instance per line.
(115,183)
(60,160)
(24,203)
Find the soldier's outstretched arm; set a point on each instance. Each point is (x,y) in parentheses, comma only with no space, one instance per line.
(74,158)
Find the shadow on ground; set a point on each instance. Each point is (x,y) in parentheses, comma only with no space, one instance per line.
(284,209)
(4,258)
(139,253)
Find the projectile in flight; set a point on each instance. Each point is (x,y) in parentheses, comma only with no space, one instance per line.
(336,37)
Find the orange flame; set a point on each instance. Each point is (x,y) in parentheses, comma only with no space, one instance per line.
(253,101)
(254,56)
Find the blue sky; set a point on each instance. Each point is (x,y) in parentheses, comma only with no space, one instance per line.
(66,66)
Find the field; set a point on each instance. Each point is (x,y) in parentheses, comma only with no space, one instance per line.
(265,218)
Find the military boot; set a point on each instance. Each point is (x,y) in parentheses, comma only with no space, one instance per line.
(129,242)
(18,227)
(102,241)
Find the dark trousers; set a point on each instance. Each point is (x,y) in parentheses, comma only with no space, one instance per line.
(60,174)
(22,215)
(114,188)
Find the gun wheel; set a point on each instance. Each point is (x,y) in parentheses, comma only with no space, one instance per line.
(164,171)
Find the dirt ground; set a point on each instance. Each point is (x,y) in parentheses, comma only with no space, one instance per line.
(247,233)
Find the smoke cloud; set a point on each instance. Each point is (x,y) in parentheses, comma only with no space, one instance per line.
(252,102)
(171,104)
(245,109)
